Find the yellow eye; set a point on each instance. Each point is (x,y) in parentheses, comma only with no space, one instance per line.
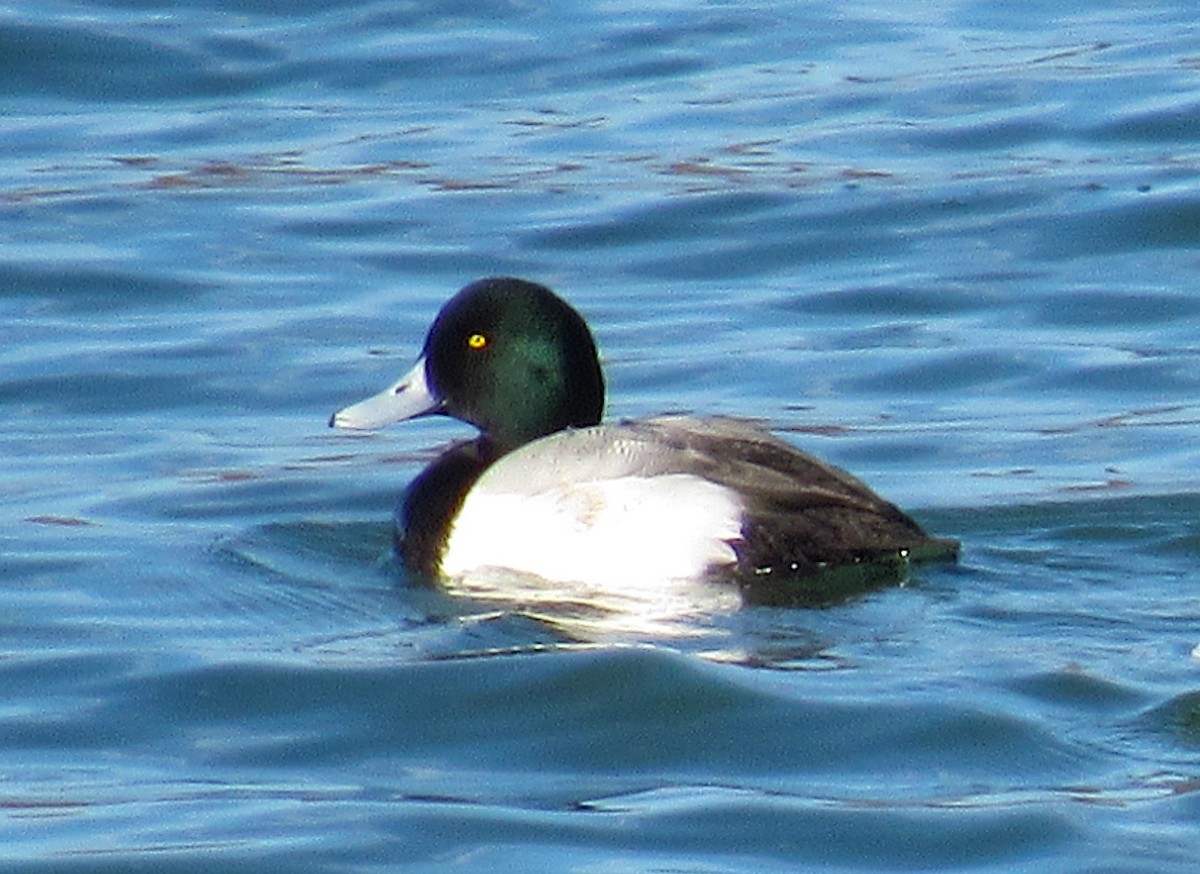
(477,341)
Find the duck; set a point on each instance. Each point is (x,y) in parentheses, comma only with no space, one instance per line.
(550,492)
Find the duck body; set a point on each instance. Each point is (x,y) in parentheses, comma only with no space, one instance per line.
(550,494)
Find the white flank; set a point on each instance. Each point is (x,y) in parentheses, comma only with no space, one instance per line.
(625,535)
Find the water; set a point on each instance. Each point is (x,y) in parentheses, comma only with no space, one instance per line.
(952,246)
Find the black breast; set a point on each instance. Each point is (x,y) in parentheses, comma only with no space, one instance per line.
(431,502)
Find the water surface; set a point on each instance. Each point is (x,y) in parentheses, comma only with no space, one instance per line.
(951,246)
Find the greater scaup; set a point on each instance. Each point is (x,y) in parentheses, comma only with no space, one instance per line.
(548,491)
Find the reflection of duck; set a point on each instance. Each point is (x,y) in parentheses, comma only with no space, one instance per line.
(548,491)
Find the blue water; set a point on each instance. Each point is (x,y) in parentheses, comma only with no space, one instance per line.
(952,246)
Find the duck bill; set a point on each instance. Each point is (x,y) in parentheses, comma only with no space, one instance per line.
(407,399)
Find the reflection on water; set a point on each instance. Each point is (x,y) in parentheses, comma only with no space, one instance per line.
(948,246)
(665,610)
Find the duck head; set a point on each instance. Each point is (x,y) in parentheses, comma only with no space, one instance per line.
(505,355)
